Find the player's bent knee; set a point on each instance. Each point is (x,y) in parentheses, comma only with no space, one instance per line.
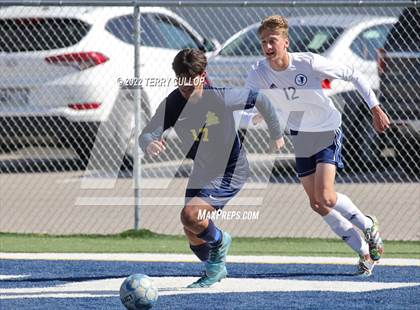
(315,206)
(189,215)
(320,209)
(328,202)
(327,199)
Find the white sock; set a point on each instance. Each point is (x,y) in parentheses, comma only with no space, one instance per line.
(347,208)
(345,230)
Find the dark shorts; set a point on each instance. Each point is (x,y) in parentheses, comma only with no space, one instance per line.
(312,148)
(218,191)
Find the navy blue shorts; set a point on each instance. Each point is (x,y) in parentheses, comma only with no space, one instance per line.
(312,148)
(218,191)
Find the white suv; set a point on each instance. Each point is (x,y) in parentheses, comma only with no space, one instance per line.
(64,71)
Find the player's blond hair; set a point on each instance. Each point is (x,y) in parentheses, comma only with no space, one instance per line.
(275,23)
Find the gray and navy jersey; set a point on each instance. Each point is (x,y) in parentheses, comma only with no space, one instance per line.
(207,131)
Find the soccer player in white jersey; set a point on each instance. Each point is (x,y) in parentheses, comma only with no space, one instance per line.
(315,128)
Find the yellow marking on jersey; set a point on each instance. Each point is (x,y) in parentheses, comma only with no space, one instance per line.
(212,119)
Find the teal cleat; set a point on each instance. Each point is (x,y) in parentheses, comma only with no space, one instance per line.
(209,280)
(215,266)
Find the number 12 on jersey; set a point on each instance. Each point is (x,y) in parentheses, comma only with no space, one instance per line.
(290,93)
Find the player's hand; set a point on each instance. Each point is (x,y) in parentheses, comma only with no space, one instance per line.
(257,118)
(380,119)
(156,147)
(277,144)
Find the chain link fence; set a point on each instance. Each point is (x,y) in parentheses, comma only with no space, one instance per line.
(67,135)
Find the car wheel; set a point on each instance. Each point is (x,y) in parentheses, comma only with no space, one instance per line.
(81,137)
(108,146)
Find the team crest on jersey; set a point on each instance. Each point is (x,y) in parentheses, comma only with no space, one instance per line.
(211,119)
(301,79)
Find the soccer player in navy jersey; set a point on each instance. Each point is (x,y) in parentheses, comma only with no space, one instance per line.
(202,117)
(316,131)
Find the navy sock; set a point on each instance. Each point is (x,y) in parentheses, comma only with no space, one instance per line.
(212,235)
(201,251)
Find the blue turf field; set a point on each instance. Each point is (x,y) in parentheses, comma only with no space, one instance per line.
(49,274)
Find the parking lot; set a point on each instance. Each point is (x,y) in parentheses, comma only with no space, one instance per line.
(50,195)
(60,92)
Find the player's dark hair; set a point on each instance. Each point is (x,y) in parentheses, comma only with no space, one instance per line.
(189,62)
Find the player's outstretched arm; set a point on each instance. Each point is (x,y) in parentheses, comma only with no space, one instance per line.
(330,70)
(276,144)
(268,112)
(150,140)
(243,99)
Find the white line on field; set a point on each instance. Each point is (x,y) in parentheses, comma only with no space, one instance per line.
(177,285)
(12,276)
(152,257)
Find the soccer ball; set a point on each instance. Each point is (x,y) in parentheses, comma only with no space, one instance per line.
(138,292)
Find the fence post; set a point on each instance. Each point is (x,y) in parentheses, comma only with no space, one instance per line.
(137,119)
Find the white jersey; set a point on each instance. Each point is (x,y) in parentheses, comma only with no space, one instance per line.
(297,92)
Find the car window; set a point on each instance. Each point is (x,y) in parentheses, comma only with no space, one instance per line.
(367,42)
(156,31)
(315,39)
(247,44)
(40,34)
(122,28)
(405,35)
(173,35)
